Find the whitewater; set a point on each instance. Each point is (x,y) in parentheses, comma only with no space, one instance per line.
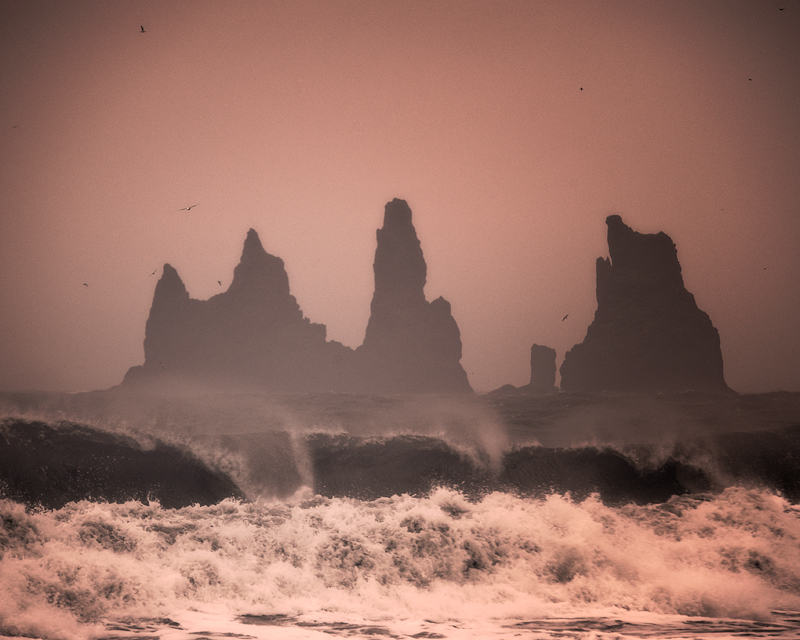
(361,517)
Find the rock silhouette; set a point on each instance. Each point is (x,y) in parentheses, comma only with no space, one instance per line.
(648,333)
(411,345)
(254,336)
(543,375)
(543,369)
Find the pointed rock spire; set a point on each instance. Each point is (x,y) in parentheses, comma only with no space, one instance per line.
(399,267)
(170,287)
(259,276)
(411,345)
(166,323)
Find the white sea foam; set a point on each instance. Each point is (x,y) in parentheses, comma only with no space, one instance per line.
(396,562)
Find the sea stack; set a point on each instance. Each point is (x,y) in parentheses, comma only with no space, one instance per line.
(411,345)
(252,336)
(255,337)
(648,335)
(543,370)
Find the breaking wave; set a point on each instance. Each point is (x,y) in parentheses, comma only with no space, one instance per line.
(440,558)
(355,517)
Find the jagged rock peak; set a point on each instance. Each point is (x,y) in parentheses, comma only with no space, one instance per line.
(648,334)
(411,345)
(647,253)
(399,265)
(253,253)
(252,245)
(259,274)
(254,335)
(169,274)
(170,285)
(397,214)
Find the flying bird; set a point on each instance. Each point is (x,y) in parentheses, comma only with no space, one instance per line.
(154,273)
(219,283)
(564,318)
(189,208)
(143,31)
(85,285)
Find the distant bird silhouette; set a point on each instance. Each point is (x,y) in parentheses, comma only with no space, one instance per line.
(189,208)
(564,318)
(143,31)
(581,88)
(219,283)
(154,273)
(85,285)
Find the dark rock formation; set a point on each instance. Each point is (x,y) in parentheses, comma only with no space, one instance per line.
(411,345)
(543,369)
(254,335)
(648,333)
(543,375)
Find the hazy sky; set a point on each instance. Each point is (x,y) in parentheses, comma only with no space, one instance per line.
(511,128)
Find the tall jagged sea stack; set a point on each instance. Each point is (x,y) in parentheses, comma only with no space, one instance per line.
(411,345)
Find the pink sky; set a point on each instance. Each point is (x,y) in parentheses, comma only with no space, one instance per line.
(302,119)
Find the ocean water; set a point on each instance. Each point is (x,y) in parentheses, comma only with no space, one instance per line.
(362,517)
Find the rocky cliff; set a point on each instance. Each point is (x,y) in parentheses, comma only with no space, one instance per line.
(255,336)
(648,333)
